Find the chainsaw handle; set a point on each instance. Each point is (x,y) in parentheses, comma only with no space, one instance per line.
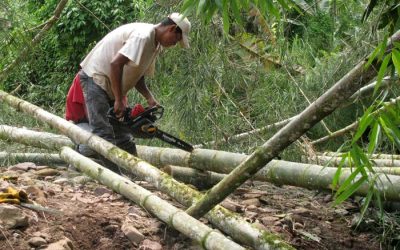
(111,114)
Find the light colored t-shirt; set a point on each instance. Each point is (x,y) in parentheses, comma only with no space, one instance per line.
(137,42)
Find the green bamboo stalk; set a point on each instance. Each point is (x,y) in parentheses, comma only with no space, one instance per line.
(322,107)
(174,217)
(226,221)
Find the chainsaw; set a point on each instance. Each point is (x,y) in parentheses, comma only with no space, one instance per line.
(141,123)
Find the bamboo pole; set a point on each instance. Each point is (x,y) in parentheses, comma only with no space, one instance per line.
(372,156)
(228,222)
(24,53)
(335,161)
(322,107)
(34,138)
(30,157)
(276,171)
(304,175)
(174,217)
(197,178)
(214,164)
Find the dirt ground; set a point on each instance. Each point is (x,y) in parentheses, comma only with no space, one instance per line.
(92,215)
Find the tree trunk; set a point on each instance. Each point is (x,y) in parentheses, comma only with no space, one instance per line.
(314,113)
(239,229)
(174,217)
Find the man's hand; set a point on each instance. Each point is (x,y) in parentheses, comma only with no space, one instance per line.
(152,102)
(119,108)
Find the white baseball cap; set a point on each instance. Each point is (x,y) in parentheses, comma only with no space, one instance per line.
(184,24)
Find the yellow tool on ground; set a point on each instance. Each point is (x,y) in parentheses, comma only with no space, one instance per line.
(13,196)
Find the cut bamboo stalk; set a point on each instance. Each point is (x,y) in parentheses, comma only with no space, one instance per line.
(174,217)
(372,156)
(34,138)
(276,171)
(322,107)
(220,162)
(312,177)
(197,178)
(232,224)
(30,157)
(335,161)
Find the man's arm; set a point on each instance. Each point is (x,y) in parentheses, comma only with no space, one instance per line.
(145,92)
(117,66)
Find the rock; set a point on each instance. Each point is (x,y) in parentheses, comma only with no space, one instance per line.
(132,233)
(64,244)
(254,201)
(12,217)
(46,172)
(99,191)
(37,194)
(82,179)
(42,235)
(37,241)
(61,181)
(25,166)
(268,220)
(150,245)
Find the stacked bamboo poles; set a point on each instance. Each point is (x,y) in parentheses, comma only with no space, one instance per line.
(204,163)
(174,217)
(277,172)
(228,222)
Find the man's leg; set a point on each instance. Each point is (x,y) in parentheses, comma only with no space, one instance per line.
(97,105)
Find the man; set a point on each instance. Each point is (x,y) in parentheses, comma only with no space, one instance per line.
(120,62)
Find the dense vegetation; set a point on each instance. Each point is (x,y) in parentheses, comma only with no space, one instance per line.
(235,78)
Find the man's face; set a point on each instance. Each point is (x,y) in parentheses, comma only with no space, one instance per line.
(171,37)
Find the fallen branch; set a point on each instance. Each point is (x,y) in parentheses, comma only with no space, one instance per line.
(238,228)
(354,125)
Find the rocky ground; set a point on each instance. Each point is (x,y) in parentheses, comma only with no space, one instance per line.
(82,214)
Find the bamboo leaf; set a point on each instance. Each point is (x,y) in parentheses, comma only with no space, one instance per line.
(381,73)
(365,121)
(336,177)
(225,16)
(200,6)
(347,182)
(396,60)
(350,190)
(374,138)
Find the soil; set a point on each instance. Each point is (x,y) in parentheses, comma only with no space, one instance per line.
(92,215)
